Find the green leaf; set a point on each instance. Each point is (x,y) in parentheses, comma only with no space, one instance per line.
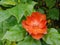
(43,42)
(21,9)
(50,3)
(10,22)
(4,15)
(16,33)
(53,14)
(41,10)
(53,37)
(29,41)
(7,2)
(30,7)
(6,25)
(18,11)
(3,28)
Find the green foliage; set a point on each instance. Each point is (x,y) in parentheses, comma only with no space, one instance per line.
(29,41)
(41,10)
(50,3)
(16,33)
(23,1)
(7,2)
(21,9)
(1,42)
(12,12)
(6,25)
(8,42)
(53,14)
(17,11)
(3,15)
(53,37)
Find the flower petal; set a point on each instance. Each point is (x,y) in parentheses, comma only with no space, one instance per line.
(38,36)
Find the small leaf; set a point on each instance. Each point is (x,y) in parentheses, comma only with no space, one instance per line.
(53,37)
(29,41)
(50,3)
(41,10)
(7,2)
(30,7)
(53,14)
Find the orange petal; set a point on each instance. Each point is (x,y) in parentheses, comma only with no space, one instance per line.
(36,30)
(37,37)
(27,27)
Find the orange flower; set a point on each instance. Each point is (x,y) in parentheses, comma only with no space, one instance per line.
(35,25)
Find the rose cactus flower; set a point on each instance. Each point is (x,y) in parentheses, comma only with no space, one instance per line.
(35,25)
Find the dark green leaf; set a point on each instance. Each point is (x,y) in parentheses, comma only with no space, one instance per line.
(1,42)
(10,22)
(41,10)
(53,14)
(50,3)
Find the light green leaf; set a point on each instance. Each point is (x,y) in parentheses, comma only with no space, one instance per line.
(18,11)
(6,25)
(7,2)
(4,15)
(50,3)
(53,37)
(3,28)
(30,7)
(53,14)
(22,9)
(29,41)
(16,33)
